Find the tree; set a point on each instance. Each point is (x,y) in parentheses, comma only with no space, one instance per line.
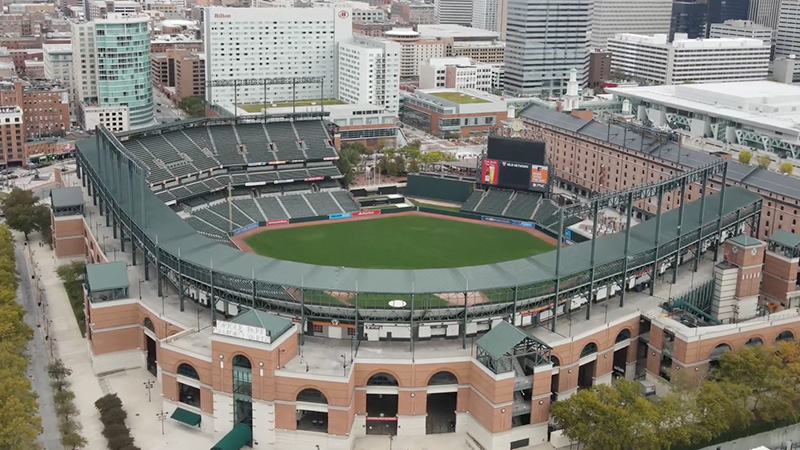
(58,374)
(193,106)
(349,159)
(745,156)
(42,214)
(22,211)
(764,161)
(786,168)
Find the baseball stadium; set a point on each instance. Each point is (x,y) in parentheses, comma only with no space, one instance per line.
(286,312)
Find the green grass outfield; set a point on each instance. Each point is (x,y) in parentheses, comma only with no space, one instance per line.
(400,242)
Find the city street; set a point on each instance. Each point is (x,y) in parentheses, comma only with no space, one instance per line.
(166,113)
(39,351)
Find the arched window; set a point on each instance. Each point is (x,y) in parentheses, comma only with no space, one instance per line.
(590,349)
(188,371)
(785,336)
(149,324)
(382,379)
(718,351)
(554,359)
(623,335)
(753,341)
(241,361)
(443,377)
(312,396)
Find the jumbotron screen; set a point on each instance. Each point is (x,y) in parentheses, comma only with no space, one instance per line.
(514,175)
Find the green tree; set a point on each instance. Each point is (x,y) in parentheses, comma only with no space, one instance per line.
(764,161)
(745,156)
(23,213)
(58,374)
(786,168)
(73,440)
(193,106)
(349,158)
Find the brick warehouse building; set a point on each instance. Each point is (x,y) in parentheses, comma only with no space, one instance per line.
(589,156)
(328,382)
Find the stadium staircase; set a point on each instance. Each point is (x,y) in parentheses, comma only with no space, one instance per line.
(510,200)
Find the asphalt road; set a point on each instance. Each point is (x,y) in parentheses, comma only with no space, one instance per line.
(38,351)
(166,112)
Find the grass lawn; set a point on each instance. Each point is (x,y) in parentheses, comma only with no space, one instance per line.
(257,107)
(432,206)
(458,97)
(404,242)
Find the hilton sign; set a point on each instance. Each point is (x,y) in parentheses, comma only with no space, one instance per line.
(222,16)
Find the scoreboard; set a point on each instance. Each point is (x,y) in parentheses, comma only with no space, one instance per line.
(514,175)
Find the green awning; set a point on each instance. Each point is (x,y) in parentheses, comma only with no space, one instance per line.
(235,439)
(187,417)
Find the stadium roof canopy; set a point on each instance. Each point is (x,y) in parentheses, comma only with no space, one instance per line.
(178,238)
(106,276)
(66,197)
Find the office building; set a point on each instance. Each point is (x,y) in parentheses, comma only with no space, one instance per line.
(455,12)
(689,17)
(415,50)
(787,36)
(485,14)
(273,43)
(612,17)
(539,54)
(414,13)
(369,72)
(190,74)
(44,106)
(12,135)
(720,11)
(110,72)
(654,60)
(741,29)
(488,52)
(450,113)
(765,12)
(599,68)
(456,73)
(786,69)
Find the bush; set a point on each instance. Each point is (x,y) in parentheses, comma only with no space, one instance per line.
(107,402)
(786,168)
(115,429)
(120,441)
(113,416)
(745,157)
(764,161)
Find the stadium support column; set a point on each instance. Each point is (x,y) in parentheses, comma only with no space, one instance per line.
(81,174)
(678,252)
(158,270)
(626,249)
(212,302)
(411,334)
(654,273)
(357,334)
(722,189)
(464,333)
(514,291)
(180,280)
(253,304)
(558,267)
(93,194)
(132,212)
(699,248)
(302,336)
(595,210)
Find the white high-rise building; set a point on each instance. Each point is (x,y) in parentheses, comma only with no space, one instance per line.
(544,41)
(457,12)
(787,37)
(612,17)
(58,66)
(369,72)
(765,12)
(257,43)
(486,14)
(654,60)
(456,73)
(741,28)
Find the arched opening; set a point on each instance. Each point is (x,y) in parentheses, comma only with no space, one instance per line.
(554,379)
(586,370)
(382,403)
(242,390)
(753,341)
(314,416)
(785,336)
(441,405)
(150,348)
(188,393)
(620,366)
(716,354)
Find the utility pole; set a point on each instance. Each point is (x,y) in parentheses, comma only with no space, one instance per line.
(230,209)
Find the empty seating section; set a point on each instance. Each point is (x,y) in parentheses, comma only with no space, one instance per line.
(200,160)
(345,201)
(197,188)
(315,136)
(157,172)
(546,214)
(294,187)
(330,171)
(293,174)
(249,207)
(254,139)
(165,196)
(205,228)
(239,178)
(264,176)
(158,146)
(194,202)
(270,189)
(473,201)
(213,219)
(182,169)
(285,140)
(523,205)
(272,209)
(328,184)
(199,135)
(227,146)
(239,219)
(323,203)
(296,206)
(494,202)
(214,183)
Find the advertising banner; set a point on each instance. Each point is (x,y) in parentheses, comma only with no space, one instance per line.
(339,216)
(369,212)
(539,176)
(489,171)
(252,226)
(278,222)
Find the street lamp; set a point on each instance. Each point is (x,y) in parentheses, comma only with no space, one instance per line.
(344,363)
(140,288)
(149,385)
(162,416)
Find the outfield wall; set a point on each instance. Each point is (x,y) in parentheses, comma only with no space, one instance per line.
(435,188)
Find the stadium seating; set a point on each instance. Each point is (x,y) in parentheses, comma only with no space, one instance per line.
(239,218)
(285,141)
(213,219)
(249,207)
(296,206)
(473,200)
(494,202)
(546,214)
(315,137)
(345,201)
(181,142)
(227,145)
(523,205)
(272,208)
(323,203)
(254,139)
(205,228)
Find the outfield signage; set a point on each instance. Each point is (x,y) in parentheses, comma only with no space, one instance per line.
(237,330)
(369,212)
(339,216)
(516,223)
(314,179)
(278,222)
(245,228)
